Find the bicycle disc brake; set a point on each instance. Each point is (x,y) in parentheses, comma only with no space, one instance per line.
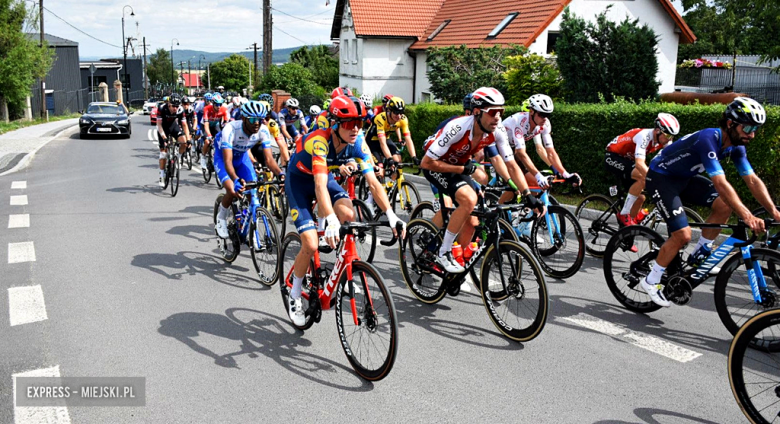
(678,290)
(768,299)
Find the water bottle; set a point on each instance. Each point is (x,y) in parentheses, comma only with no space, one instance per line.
(471,249)
(457,253)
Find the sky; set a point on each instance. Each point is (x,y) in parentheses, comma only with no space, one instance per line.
(212,26)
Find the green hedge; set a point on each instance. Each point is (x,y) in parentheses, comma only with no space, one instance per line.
(582,131)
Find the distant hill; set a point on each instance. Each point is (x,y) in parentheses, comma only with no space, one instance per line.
(280,56)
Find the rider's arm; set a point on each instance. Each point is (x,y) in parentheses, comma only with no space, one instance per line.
(206,120)
(729,195)
(302,120)
(271,163)
(227,156)
(433,165)
(761,194)
(541,151)
(283,127)
(555,161)
(185,126)
(522,155)
(380,195)
(407,137)
(324,207)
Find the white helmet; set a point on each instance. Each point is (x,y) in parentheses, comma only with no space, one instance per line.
(541,103)
(366,99)
(314,110)
(485,97)
(236,100)
(667,123)
(244,101)
(291,102)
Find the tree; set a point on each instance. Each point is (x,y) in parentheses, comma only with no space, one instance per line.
(458,70)
(322,64)
(21,59)
(527,75)
(232,73)
(159,69)
(291,77)
(606,59)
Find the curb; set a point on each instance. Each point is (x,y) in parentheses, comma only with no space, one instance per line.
(29,156)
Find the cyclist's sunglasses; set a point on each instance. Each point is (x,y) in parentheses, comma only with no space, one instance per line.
(253,119)
(543,114)
(668,136)
(493,111)
(750,129)
(292,108)
(351,124)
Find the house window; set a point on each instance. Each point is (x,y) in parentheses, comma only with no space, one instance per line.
(501,25)
(426,97)
(345,51)
(97,80)
(438,30)
(354,51)
(552,38)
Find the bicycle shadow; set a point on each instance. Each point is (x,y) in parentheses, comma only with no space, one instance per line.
(152,189)
(199,211)
(647,415)
(201,233)
(258,333)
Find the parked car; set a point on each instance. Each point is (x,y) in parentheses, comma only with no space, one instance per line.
(149,105)
(104,118)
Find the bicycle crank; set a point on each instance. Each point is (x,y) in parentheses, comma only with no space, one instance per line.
(678,290)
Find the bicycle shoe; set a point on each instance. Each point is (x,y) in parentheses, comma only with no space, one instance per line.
(448,262)
(222,229)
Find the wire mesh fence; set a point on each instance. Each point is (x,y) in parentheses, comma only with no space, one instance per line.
(749,76)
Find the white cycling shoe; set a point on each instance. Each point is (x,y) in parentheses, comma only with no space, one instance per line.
(161,183)
(448,262)
(222,229)
(295,310)
(655,292)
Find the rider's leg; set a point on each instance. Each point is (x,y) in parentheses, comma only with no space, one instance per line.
(635,199)
(466,198)
(667,253)
(343,210)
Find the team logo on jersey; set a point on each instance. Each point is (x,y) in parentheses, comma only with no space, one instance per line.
(452,133)
(712,155)
(294,214)
(364,148)
(319,148)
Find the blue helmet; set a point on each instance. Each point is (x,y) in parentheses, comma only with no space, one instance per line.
(254,109)
(208,97)
(467,101)
(217,99)
(266,97)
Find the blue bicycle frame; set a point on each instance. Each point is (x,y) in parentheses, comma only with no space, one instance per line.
(755,275)
(242,218)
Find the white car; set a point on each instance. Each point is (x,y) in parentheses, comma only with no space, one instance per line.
(149,105)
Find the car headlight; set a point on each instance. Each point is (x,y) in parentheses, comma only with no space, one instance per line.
(123,122)
(85,121)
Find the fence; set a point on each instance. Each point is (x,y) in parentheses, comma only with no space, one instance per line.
(65,102)
(757,81)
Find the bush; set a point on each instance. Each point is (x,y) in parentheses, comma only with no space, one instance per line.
(581,133)
(529,75)
(290,77)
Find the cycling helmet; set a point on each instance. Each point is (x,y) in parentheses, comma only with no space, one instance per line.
(208,97)
(217,99)
(254,109)
(265,97)
(386,98)
(265,103)
(467,101)
(667,123)
(314,110)
(541,103)
(236,100)
(346,108)
(326,104)
(486,97)
(166,98)
(175,99)
(341,91)
(291,102)
(366,99)
(244,101)
(746,111)
(396,104)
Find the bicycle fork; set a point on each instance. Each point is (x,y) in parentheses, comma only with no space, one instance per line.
(755,276)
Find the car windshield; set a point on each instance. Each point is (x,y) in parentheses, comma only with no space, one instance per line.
(151,100)
(109,109)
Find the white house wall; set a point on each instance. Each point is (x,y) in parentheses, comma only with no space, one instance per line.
(649,12)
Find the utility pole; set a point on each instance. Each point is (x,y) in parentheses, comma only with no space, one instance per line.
(44,115)
(267,36)
(256,74)
(189,74)
(146,79)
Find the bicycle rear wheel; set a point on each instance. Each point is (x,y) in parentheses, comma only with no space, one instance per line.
(754,368)
(514,292)
(207,170)
(174,168)
(408,197)
(369,329)
(264,247)
(291,245)
(624,269)
(561,248)
(598,218)
(422,210)
(417,258)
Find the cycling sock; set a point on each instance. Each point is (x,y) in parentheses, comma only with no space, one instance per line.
(446,245)
(655,275)
(295,293)
(370,199)
(223,212)
(162,173)
(630,199)
(703,241)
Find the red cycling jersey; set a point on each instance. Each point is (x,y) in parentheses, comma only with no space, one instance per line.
(452,144)
(637,143)
(211,115)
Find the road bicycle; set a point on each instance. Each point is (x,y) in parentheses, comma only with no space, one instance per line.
(252,225)
(208,171)
(366,241)
(272,197)
(172,166)
(365,313)
(511,282)
(747,283)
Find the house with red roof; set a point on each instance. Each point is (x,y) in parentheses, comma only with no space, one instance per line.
(192,82)
(383,43)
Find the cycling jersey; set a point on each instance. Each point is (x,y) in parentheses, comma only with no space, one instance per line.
(287,118)
(518,128)
(311,120)
(452,143)
(321,123)
(233,137)
(190,117)
(699,152)
(214,115)
(167,117)
(199,106)
(273,129)
(381,125)
(635,144)
(234,112)
(314,152)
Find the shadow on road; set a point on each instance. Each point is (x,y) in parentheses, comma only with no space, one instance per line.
(648,416)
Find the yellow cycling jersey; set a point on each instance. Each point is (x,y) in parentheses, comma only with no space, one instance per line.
(382,125)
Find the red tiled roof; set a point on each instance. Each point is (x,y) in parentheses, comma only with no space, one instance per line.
(191,80)
(387,18)
(686,34)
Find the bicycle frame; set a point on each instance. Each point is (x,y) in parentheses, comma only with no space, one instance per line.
(245,213)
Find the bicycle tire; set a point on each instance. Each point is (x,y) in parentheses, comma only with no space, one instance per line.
(500,303)
(424,210)
(420,234)
(207,170)
(599,214)
(647,251)
(219,183)
(733,294)
(279,207)
(361,340)
(507,232)
(366,245)
(269,239)
(187,157)
(291,245)
(230,247)
(401,206)
(746,362)
(558,260)
(175,177)
(216,206)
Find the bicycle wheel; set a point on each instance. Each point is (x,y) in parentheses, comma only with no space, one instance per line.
(187,158)
(279,208)
(361,188)
(598,217)
(733,293)
(365,243)
(560,249)
(754,372)
(408,197)
(491,199)
(507,233)
(291,245)
(231,246)
(368,328)
(514,292)
(175,167)
(422,210)
(207,170)
(264,247)
(771,232)
(216,206)
(624,269)
(219,183)
(418,261)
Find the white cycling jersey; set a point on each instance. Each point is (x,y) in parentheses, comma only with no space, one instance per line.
(453,144)
(233,137)
(518,128)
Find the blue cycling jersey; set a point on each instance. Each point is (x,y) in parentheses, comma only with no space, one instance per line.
(233,137)
(699,152)
(287,118)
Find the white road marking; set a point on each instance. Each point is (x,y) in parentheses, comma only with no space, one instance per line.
(19,221)
(651,343)
(25,305)
(21,252)
(18,185)
(150,134)
(20,200)
(35,415)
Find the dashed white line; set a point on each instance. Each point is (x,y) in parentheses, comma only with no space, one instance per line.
(21,252)
(25,305)
(651,343)
(19,221)
(19,200)
(18,185)
(34,415)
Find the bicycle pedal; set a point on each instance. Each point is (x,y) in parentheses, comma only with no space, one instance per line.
(453,289)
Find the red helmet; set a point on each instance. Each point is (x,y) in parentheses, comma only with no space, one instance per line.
(347,108)
(387,98)
(340,91)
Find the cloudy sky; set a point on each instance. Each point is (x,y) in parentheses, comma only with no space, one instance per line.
(213,25)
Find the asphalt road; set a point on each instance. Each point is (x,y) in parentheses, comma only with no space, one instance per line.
(133,285)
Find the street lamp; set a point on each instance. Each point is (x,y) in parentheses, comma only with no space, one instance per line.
(173,71)
(124,51)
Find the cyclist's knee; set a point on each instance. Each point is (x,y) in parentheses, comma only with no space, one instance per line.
(466,197)
(681,237)
(480,176)
(344,212)
(309,241)
(163,155)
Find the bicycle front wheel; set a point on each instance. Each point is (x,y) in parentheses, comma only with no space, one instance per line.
(598,218)
(514,291)
(366,242)
(174,168)
(291,245)
(366,322)
(559,246)
(264,247)
(279,206)
(418,254)
(754,368)
(408,197)
(207,171)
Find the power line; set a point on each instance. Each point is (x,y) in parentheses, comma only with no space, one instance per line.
(284,32)
(69,24)
(310,16)
(295,17)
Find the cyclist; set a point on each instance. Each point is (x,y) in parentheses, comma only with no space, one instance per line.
(323,119)
(273,128)
(308,179)
(171,122)
(214,117)
(199,105)
(626,158)
(540,106)
(447,165)
(289,116)
(367,100)
(190,118)
(234,108)
(311,119)
(674,178)
(392,118)
(233,159)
